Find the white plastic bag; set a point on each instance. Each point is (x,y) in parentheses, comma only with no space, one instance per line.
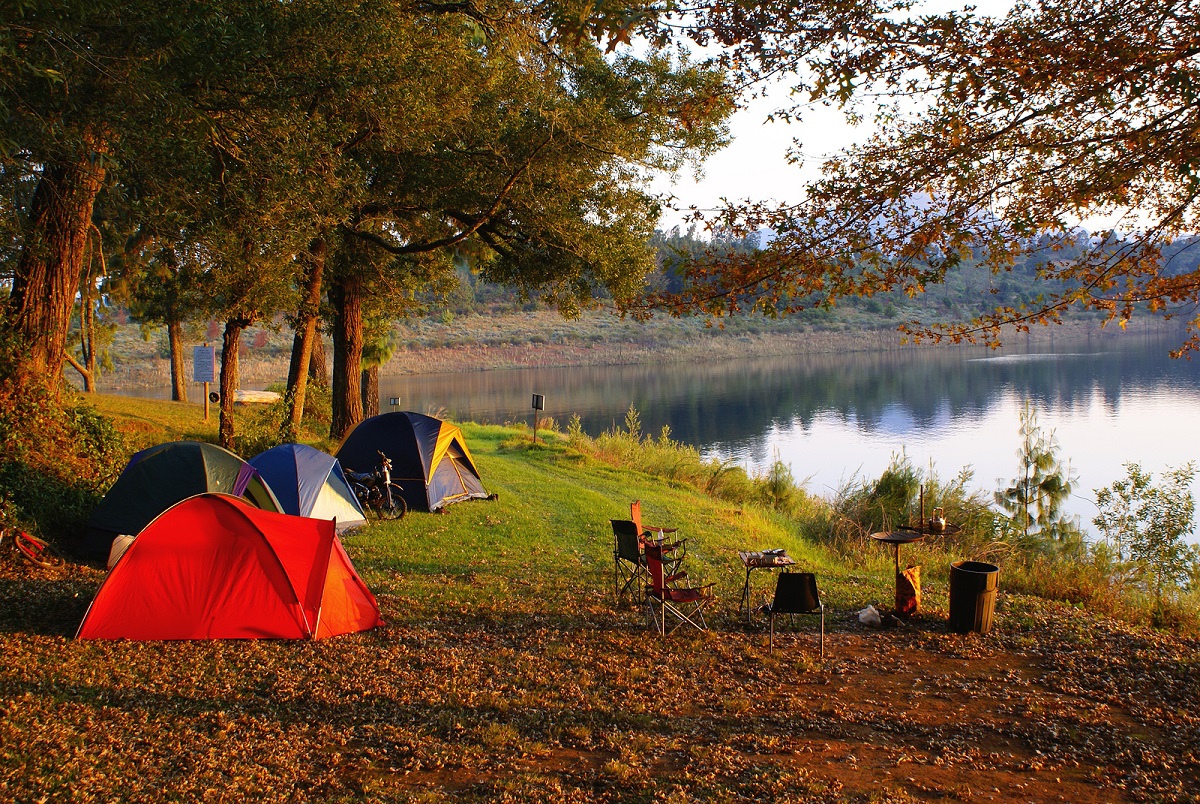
(870,616)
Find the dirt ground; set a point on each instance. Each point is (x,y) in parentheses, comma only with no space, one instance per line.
(582,703)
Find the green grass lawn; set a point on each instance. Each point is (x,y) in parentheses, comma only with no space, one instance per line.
(548,534)
(548,538)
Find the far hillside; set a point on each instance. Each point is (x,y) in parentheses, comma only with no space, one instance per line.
(485,325)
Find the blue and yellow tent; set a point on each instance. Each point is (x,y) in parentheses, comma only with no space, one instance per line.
(430,459)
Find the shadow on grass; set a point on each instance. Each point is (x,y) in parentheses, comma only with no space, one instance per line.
(44,606)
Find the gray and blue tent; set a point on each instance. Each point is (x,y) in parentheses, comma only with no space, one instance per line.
(308,482)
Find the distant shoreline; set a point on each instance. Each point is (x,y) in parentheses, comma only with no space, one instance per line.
(593,343)
(720,346)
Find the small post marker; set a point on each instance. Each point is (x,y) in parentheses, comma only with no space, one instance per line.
(539,403)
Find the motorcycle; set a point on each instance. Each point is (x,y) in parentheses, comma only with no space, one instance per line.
(376,492)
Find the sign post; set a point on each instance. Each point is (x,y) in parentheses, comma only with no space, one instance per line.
(204,362)
(539,403)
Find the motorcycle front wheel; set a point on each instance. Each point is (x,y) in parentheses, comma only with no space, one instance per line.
(396,510)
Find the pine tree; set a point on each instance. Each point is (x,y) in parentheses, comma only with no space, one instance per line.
(1034,499)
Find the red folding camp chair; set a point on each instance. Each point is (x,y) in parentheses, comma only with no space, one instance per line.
(682,605)
(673,551)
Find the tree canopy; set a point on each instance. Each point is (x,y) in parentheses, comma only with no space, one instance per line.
(516,136)
(242,132)
(993,134)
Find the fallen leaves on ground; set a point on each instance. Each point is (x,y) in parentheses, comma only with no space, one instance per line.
(548,701)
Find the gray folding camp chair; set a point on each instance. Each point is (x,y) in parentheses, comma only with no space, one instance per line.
(796,593)
(629,562)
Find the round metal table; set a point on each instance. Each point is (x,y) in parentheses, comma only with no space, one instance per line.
(897,538)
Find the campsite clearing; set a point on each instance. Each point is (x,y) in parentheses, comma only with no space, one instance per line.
(503,672)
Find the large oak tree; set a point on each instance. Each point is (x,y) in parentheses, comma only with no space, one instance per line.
(81,85)
(411,128)
(533,165)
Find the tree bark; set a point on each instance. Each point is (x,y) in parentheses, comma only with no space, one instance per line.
(302,344)
(346,295)
(47,273)
(87,331)
(318,365)
(370,392)
(229,377)
(178,377)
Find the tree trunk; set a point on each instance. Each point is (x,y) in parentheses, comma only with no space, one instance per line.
(87,331)
(302,344)
(370,391)
(89,385)
(47,273)
(318,365)
(178,378)
(346,295)
(229,377)
(87,337)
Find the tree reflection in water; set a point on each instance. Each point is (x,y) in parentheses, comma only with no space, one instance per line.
(1110,399)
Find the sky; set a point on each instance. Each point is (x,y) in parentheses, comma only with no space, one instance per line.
(754,166)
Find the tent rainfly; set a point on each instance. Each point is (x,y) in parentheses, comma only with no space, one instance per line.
(216,567)
(430,459)
(308,482)
(158,477)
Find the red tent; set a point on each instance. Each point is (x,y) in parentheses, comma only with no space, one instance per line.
(215,567)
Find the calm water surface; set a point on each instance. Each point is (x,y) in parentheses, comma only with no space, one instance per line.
(833,418)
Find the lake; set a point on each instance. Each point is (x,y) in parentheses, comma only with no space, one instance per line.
(834,417)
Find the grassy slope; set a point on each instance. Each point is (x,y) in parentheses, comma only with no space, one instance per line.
(145,422)
(553,502)
(550,531)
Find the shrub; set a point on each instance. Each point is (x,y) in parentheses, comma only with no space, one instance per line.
(59,458)
(1145,526)
(777,489)
(575,434)
(883,504)
(729,482)
(1034,499)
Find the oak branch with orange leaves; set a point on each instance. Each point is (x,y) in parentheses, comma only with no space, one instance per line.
(997,137)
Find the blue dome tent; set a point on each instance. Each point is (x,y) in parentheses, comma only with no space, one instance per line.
(308,482)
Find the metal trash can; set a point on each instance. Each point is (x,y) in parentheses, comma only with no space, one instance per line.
(973,586)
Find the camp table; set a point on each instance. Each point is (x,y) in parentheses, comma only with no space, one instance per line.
(760,559)
(897,538)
